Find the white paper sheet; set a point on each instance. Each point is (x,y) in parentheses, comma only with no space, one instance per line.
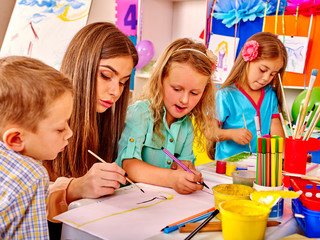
(133,213)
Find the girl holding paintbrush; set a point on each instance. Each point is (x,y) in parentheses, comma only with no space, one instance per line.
(180,88)
(251,89)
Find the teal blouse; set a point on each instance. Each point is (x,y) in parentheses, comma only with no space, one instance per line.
(137,138)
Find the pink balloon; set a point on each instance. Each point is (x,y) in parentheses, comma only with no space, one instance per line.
(145,52)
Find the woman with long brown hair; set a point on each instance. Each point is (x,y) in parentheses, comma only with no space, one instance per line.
(99,61)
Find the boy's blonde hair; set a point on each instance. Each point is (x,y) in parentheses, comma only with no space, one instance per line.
(270,47)
(194,54)
(27,89)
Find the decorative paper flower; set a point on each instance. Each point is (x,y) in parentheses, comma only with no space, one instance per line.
(232,12)
(213,58)
(250,50)
(306,7)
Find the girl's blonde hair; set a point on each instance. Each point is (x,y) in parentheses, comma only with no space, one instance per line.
(270,47)
(183,51)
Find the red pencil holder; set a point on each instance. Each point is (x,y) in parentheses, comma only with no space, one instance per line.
(295,155)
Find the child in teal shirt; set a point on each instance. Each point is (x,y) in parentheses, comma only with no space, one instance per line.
(179,89)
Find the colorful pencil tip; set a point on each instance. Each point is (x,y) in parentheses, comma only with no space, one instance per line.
(204,185)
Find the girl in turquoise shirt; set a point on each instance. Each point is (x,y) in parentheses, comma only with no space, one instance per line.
(180,88)
(252,89)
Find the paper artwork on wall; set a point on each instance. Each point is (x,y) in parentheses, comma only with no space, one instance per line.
(297,51)
(225,48)
(43,29)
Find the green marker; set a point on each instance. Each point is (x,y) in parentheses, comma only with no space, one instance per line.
(264,160)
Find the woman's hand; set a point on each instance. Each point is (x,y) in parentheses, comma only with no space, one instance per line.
(241,136)
(102,179)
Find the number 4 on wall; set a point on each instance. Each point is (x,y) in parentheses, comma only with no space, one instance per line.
(131,17)
(127,16)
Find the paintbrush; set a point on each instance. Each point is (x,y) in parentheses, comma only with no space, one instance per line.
(306,121)
(307,99)
(312,125)
(311,178)
(245,125)
(285,103)
(194,232)
(284,126)
(214,226)
(101,160)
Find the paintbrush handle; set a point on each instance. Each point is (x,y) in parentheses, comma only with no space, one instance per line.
(245,125)
(303,113)
(286,107)
(313,124)
(311,178)
(214,226)
(195,231)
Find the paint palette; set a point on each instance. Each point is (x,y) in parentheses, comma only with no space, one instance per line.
(310,196)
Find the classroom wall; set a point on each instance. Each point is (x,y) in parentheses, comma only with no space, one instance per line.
(182,17)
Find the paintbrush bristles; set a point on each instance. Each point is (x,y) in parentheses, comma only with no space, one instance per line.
(285,103)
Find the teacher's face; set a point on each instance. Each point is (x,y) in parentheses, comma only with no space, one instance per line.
(112,77)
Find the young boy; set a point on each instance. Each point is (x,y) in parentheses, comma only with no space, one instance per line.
(35,106)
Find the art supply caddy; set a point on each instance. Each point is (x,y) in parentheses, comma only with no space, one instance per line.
(306,208)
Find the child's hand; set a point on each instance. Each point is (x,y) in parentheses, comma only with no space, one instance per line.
(186,182)
(188,164)
(242,136)
(102,179)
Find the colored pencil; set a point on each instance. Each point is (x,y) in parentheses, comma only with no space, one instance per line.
(245,125)
(189,218)
(101,160)
(180,164)
(194,232)
(307,98)
(176,227)
(214,226)
(285,103)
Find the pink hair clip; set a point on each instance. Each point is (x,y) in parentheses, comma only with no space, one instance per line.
(250,50)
